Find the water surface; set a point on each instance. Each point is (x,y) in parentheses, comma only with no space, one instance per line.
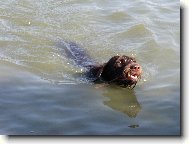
(40,91)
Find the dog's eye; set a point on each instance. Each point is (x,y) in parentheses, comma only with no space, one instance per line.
(132,60)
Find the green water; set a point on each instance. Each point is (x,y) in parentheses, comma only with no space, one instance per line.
(40,92)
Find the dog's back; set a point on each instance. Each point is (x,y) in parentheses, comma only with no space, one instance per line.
(77,54)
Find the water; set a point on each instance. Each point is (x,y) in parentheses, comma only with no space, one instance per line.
(40,91)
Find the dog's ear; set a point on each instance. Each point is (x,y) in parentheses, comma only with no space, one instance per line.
(108,72)
(110,64)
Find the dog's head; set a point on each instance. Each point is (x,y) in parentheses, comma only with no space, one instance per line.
(122,70)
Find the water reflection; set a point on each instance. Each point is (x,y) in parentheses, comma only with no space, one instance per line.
(123,100)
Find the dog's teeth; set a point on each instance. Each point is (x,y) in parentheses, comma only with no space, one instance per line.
(134,77)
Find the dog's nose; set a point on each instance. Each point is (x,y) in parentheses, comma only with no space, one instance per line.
(136,67)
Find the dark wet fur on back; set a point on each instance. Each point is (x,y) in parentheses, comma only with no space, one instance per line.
(79,55)
(122,70)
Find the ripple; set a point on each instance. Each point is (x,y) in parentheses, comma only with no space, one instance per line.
(136,31)
(118,16)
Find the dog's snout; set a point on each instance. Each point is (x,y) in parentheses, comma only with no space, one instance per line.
(136,67)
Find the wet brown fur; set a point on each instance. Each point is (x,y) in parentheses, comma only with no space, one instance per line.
(116,71)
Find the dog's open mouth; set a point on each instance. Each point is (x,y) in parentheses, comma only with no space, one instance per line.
(133,72)
(133,77)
